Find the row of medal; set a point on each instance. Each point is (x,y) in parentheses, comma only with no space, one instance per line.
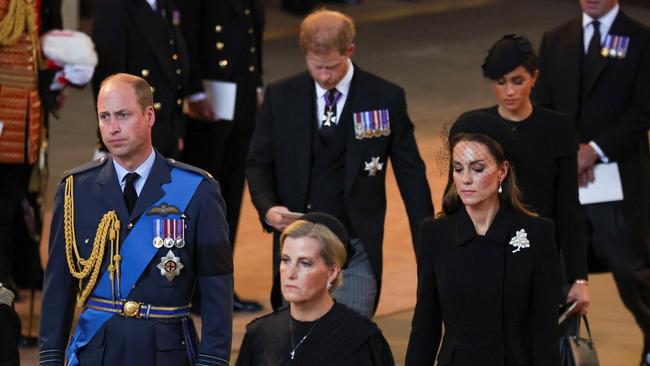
(169,233)
(371,124)
(615,46)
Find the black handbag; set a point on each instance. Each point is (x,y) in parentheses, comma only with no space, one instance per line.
(576,350)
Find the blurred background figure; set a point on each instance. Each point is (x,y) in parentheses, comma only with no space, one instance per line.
(596,69)
(9,329)
(224,40)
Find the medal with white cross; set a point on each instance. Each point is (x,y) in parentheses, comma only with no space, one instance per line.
(373,166)
(330,118)
(170,266)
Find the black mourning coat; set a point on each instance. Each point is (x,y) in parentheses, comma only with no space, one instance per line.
(279,159)
(10,335)
(498,305)
(131,37)
(613,110)
(341,337)
(546,168)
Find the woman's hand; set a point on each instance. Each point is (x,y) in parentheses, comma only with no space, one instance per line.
(579,292)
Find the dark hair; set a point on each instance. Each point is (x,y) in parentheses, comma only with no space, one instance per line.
(511,195)
(507,54)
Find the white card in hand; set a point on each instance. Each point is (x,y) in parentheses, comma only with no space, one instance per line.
(605,188)
(222,96)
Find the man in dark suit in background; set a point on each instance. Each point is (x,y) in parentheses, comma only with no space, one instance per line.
(144,38)
(224,40)
(596,69)
(322,143)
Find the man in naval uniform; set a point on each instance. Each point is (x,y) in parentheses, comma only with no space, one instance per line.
(224,40)
(132,235)
(144,38)
(322,143)
(596,69)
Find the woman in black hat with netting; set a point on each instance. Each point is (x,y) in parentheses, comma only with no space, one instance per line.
(547,146)
(313,329)
(488,268)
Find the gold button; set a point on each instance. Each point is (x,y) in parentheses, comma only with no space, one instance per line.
(174,57)
(219,45)
(179,101)
(223,64)
(251,68)
(153,90)
(253,49)
(178,71)
(250,30)
(129,226)
(247,11)
(157,106)
(218,28)
(145,73)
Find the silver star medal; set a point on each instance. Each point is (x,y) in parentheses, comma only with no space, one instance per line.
(520,241)
(170,266)
(373,166)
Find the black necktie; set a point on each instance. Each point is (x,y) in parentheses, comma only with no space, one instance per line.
(593,52)
(130,195)
(329,114)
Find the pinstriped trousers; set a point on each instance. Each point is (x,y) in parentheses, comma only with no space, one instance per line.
(359,286)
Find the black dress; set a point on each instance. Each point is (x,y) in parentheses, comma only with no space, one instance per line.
(547,175)
(498,304)
(340,337)
(9,336)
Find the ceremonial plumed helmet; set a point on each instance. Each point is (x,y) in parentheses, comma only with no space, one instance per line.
(506,54)
(487,124)
(334,225)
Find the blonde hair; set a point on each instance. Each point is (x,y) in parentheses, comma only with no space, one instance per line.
(331,248)
(141,88)
(325,30)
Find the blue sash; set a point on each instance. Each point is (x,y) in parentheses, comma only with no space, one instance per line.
(135,258)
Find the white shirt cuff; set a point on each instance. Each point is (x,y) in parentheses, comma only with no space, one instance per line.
(599,151)
(196,97)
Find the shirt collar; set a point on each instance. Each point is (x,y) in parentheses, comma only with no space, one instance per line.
(343,86)
(605,21)
(497,232)
(143,170)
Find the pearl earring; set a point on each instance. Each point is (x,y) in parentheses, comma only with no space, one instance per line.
(329,285)
(500,188)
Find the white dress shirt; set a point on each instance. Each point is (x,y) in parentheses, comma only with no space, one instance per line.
(343,87)
(143,171)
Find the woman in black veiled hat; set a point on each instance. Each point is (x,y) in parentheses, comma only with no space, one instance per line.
(488,268)
(547,147)
(313,329)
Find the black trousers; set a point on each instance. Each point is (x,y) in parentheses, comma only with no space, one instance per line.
(13,180)
(221,149)
(615,245)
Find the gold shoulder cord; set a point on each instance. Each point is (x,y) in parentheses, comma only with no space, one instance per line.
(20,16)
(82,269)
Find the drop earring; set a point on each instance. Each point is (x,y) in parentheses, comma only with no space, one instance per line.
(500,190)
(329,285)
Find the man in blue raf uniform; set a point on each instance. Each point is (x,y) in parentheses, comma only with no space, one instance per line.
(132,235)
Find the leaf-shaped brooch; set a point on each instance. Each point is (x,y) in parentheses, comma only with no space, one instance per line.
(520,241)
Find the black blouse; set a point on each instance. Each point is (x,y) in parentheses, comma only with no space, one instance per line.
(547,174)
(341,337)
(498,303)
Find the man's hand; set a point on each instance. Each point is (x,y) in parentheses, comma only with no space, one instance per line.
(260,97)
(201,110)
(580,293)
(276,220)
(587,157)
(586,177)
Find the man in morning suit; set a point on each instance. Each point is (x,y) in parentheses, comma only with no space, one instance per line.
(132,235)
(144,38)
(596,69)
(224,40)
(322,143)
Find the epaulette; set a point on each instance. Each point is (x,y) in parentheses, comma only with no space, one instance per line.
(191,168)
(87,166)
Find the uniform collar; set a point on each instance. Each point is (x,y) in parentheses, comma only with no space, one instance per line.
(497,233)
